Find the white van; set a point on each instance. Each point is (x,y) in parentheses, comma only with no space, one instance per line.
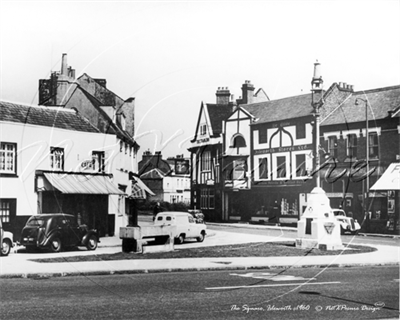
(186,226)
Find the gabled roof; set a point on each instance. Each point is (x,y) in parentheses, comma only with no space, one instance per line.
(45,116)
(281,109)
(217,114)
(153,174)
(380,102)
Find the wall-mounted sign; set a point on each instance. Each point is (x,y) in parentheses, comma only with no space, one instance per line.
(181,166)
(284,149)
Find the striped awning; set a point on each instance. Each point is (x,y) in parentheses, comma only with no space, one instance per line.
(82,183)
(139,189)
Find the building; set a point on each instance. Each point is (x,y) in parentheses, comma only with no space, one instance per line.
(267,153)
(168,179)
(109,114)
(46,165)
(207,150)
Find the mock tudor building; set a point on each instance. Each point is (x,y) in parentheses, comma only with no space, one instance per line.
(268,157)
(207,149)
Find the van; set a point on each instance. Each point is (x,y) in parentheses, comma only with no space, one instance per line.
(184,223)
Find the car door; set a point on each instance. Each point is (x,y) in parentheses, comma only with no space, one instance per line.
(192,230)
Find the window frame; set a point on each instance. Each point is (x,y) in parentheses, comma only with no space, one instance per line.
(53,160)
(351,145)
(4,172)
(333,150)
(373,145)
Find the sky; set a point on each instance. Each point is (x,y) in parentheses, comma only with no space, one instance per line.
(172,55)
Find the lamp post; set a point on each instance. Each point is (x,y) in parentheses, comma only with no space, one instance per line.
(366,194)
(316,103)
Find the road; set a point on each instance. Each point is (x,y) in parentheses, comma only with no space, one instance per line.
(334,293)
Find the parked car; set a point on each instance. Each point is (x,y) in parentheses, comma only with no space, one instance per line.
(6,241)
(186,226)
(197,215)
(347,224)
(56,231)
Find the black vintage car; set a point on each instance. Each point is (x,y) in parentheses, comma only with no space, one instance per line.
(56,231)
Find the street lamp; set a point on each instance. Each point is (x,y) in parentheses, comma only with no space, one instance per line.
(316,103)
(366,195)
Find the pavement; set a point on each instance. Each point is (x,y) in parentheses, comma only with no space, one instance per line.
(23,265)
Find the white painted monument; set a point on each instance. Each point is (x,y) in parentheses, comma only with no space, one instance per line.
(318,227)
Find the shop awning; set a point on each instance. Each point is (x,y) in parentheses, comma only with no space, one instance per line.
(390,180)
(139,189)
(82,183)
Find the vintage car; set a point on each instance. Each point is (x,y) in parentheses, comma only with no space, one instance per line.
(56,231)
(6,241)
(347,224)
(184,223)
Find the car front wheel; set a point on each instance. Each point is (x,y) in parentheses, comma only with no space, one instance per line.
(92,243)
(55,245)
(5,250)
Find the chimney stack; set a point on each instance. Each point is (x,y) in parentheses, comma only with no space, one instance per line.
(223,95)
(247,92)
(64,65)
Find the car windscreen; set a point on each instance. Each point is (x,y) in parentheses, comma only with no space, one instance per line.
(35,222)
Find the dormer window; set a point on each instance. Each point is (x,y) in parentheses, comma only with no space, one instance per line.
(238,142)
(123,122)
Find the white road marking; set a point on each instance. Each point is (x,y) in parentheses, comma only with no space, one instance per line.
(270,276)
(271,285)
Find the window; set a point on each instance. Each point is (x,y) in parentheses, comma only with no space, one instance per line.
(332,146)
(238,142)
(263,168)
(263,135)
(239,170)
(206,161)
(352,145)
(5,211)
(98,161)
(301,165)
(373,145)
(207,199)
(203,129)
(281,167)
(8,154)
(300,131)
(57,158)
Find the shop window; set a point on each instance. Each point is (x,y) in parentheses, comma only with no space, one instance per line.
(263,135)
(98,161)
(207,199)
(263,168)
(373,145)
(5,211)
(8,155)
(352,146)
(332,146)
(57,159)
